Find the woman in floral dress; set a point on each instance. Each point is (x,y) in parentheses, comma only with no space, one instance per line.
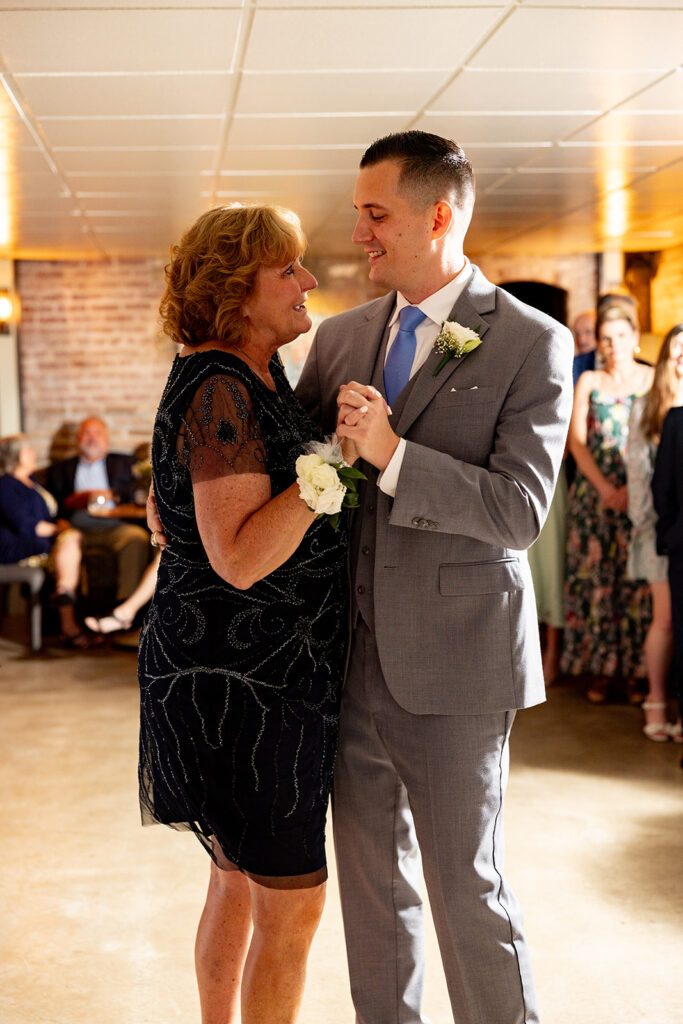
(607,614)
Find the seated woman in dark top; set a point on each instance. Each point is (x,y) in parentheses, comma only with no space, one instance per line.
(29,531)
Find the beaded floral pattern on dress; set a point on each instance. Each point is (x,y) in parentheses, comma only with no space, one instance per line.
(239,688)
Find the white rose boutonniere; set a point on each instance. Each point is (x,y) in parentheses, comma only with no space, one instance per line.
(326,481)
(454,341)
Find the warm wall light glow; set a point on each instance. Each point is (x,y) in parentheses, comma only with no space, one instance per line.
(5,205)
(617,203)
(5,308)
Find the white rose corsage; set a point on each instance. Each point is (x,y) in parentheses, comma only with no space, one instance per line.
(454,341)
(326,482)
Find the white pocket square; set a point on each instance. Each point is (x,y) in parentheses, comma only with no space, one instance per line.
(475,387)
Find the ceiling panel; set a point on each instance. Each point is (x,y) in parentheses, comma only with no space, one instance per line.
(14,135)
(15,161)
(339,91)
(106,94)
(313,157)
(644,39)
(642,4)
(103,5)
(420,38)
(396,5)
(665,94)
(175,189)
(588,156)
(519,90)
(141,113)
(131,161)
(500,128)
(626,126)
(109,40)
(129,202)
(132,131)
(572,183)
(529,201)
(503,156)
(288,182)
(290,131)
(667,182)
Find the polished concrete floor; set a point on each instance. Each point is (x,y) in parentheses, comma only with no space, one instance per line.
(98,915)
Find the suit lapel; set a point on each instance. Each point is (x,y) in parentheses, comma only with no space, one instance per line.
(477,298)
(367,338)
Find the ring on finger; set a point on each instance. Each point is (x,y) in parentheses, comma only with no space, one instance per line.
(153,539)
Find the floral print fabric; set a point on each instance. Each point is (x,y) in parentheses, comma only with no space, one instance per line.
(607,615)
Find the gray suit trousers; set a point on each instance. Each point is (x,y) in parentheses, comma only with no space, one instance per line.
(438,781)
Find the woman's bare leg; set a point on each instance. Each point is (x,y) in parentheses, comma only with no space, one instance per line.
(221,946)
(551,654)
(143,593)
(125,612)
(67,562)
(658,647)
(285,922)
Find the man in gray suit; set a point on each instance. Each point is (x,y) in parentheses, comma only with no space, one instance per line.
(445,643)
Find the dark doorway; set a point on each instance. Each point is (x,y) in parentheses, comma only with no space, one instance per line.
(546,297)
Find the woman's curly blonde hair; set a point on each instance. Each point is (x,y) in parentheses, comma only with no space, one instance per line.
(213,268)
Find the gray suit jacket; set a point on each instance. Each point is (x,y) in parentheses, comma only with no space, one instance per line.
(454,610)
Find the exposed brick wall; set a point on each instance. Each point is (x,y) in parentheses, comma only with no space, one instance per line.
(90,345)
(667,291)
(90,341)
(578,275)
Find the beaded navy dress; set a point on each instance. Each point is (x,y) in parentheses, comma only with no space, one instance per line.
(240,688)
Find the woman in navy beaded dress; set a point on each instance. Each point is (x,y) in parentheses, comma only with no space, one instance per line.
(242,652)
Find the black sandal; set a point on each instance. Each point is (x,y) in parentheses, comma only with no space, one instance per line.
(76,642)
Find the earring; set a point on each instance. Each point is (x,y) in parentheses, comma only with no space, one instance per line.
(636,350)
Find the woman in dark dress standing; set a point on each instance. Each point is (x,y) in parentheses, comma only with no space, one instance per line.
(242,651)
(667,493)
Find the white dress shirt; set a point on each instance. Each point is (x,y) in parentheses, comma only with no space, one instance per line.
(437,308)
(92,476)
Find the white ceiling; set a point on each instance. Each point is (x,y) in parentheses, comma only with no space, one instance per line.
(121,122)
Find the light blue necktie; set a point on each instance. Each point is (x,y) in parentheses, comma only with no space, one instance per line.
(399,362)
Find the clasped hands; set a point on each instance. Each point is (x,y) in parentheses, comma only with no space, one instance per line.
(615,498)
(363,423)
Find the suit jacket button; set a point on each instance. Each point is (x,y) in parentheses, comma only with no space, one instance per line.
(417,521)
(360,589)
(433,526)
(365,550)
(371,508)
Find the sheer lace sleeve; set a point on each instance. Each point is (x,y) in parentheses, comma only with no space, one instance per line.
(220,434)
